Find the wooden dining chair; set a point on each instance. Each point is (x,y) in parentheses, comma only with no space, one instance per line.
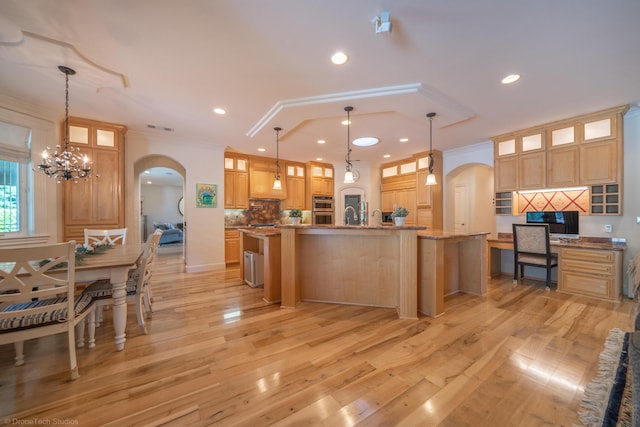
(137,287)
(531,247)
(105,237)
(37,298)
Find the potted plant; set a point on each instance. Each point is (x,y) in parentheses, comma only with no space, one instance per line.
(399,214)
(296,216)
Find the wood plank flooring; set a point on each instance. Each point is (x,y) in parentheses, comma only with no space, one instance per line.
(217,355)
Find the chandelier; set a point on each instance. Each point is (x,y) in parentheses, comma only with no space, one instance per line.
(68,164)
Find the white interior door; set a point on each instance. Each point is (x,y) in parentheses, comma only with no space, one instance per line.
(461,209)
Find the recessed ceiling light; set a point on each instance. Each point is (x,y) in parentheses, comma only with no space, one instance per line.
(220,111)
(365,141)
(261,149)
(339,58)
(345,122)
(319,159)
(404,139)
(149,182)
(321,141)
(386,156)
(511,78)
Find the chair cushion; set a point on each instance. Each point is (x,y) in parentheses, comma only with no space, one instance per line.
(81,302)
(536,259)
(103,288)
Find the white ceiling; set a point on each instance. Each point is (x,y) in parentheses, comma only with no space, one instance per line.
(168,63)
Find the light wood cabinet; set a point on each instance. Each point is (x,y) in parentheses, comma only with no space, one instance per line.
(594,273)
(319,181)
(532,171)
(262,173)
(295,176)
(231,246)
(582,151)
(236,181)
(405,198)
(99,201)
(562,167)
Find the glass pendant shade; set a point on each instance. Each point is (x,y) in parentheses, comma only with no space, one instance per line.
(348,177)
(431,179)
(277,185)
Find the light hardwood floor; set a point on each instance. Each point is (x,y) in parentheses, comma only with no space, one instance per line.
(217,355)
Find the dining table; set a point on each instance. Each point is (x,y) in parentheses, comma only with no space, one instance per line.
(112,264)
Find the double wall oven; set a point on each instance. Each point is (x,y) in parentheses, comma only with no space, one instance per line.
(322,210)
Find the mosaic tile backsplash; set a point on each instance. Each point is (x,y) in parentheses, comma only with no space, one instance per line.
(261,211)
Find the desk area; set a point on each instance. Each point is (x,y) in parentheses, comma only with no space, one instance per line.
(589,266)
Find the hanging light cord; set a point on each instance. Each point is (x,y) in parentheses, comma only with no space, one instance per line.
(348,159)
(431,115)
(277,129)
(66,112)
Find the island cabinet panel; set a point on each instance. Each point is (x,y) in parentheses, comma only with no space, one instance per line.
(374,266)
(99,201)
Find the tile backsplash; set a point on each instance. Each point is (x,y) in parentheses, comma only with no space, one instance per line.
(261,211)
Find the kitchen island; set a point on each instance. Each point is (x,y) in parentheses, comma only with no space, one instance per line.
(449,263)
(266,242)
(373,266)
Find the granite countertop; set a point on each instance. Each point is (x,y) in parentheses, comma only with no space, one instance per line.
(260,231)
(586,242)
(355,227)
(440,234)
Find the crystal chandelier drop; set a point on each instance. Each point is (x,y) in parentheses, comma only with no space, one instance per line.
(68,164)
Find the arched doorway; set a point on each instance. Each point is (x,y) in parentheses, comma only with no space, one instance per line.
(164,203)
(469,199)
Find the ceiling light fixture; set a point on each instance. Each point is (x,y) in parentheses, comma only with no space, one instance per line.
(348,174)
(220,111)
(511,78)
(277,184)
(431,178)
(365,141)
(382,23)
(404,139)
(321,141)
(68,164)
(339,58)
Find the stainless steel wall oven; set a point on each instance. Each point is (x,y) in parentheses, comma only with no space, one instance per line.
(322,210)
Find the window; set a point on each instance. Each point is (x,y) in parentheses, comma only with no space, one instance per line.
(9,197)
(14,160)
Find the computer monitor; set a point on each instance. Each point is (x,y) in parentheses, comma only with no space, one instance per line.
(562,224)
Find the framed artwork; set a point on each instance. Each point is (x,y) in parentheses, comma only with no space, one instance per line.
(206,195)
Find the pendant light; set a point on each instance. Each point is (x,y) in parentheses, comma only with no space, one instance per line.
(68,164)
(431,178)
(277,184)
(348,174)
